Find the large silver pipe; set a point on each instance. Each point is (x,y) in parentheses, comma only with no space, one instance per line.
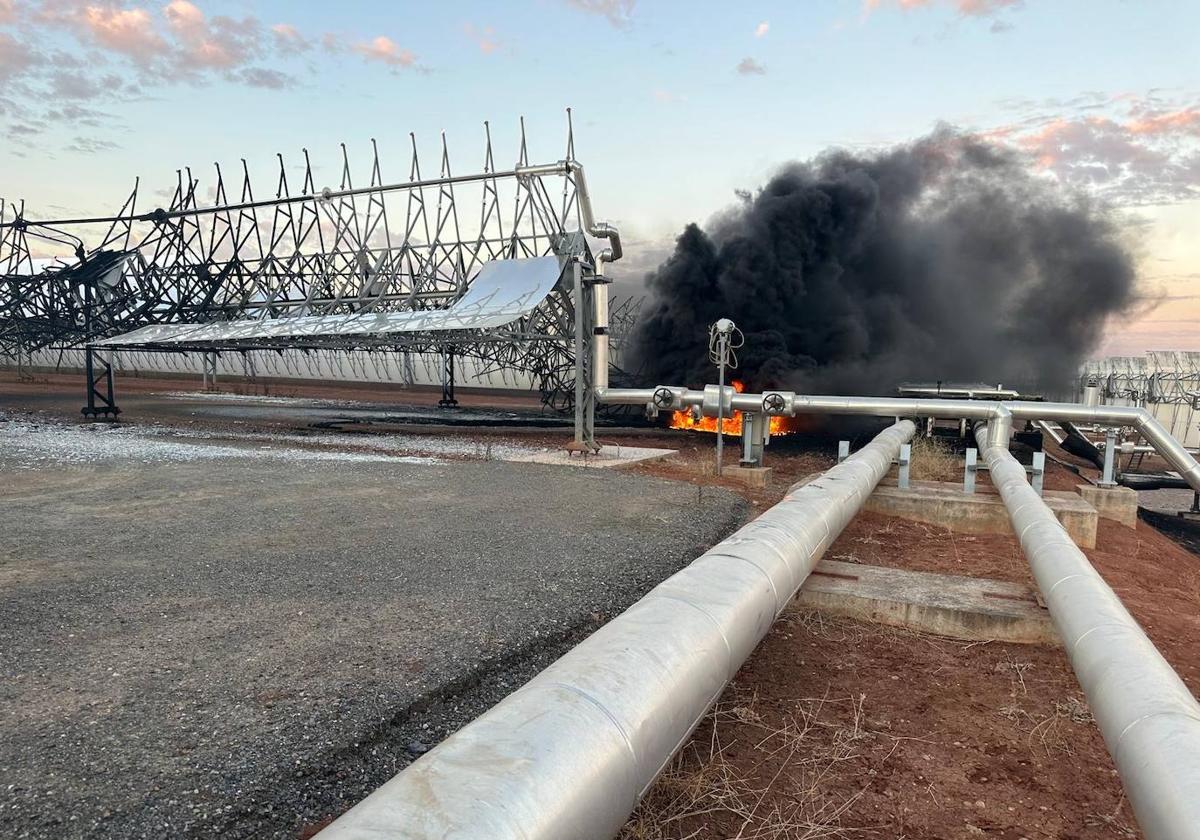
(1149,719)
(600,336)
(600,230)
(1004,412)
(570,754)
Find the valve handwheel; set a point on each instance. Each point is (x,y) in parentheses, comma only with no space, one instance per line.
(774,403)
(663,398)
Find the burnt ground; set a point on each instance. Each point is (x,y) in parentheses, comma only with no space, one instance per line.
(208,634)
(836,728)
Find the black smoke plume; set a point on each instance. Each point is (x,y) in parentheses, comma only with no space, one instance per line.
(945,259)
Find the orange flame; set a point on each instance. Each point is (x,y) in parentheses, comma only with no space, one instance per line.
(729,425)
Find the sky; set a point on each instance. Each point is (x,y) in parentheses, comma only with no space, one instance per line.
(676,105)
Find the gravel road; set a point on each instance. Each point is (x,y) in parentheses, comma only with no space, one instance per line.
(244,645)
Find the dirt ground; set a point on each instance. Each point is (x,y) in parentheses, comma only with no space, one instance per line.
(837,728)
(840,729)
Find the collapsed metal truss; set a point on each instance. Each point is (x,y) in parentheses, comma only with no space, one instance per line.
(385,247)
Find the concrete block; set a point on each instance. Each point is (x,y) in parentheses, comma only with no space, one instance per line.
(982,512)
(750,476)
(1117,503)
(947,605)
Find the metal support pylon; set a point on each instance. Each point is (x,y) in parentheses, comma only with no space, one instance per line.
(448,399)
(101,395)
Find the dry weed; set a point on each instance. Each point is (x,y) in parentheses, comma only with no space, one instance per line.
(702,791)
(934,460)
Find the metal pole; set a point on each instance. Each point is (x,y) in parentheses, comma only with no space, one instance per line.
(722,350)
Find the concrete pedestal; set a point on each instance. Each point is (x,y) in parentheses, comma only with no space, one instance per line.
(1119,504)
(948,605)
(750,476)
(981,512)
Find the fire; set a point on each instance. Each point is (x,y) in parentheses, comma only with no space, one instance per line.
(729,425)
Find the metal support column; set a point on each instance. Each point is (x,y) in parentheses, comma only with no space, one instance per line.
(585,396)
(101,395)
(754,438)
(1110,455)
(972,466)
(209,362)
(905,461)
(448,399)
(1038,471)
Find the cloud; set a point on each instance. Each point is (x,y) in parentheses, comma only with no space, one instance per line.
(1184,121)
(985,8)
(90,145)
(128,32)
(288,39)
(749,67)
(384,50)
(262,77)
(484,38)
(965,8)
(16,57)
(331,43)
(1130,150)
(762,29)
(78,115)
(127,48)
(619,13)
(222,44)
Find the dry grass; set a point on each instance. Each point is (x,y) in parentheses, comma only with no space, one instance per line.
(779,795)
(934,460)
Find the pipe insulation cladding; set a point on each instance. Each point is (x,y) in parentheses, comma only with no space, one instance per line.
(1149,719)
(568,756)
(998,415)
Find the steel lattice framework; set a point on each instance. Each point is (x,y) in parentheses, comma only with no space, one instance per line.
(375,248)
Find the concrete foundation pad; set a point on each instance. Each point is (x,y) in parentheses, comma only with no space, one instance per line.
(607,457)
(981,512)
(750,476)
(1117,503)
(947,605)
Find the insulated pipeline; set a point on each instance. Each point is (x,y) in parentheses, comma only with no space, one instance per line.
(1149,719)
(569,755)
(999,415)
